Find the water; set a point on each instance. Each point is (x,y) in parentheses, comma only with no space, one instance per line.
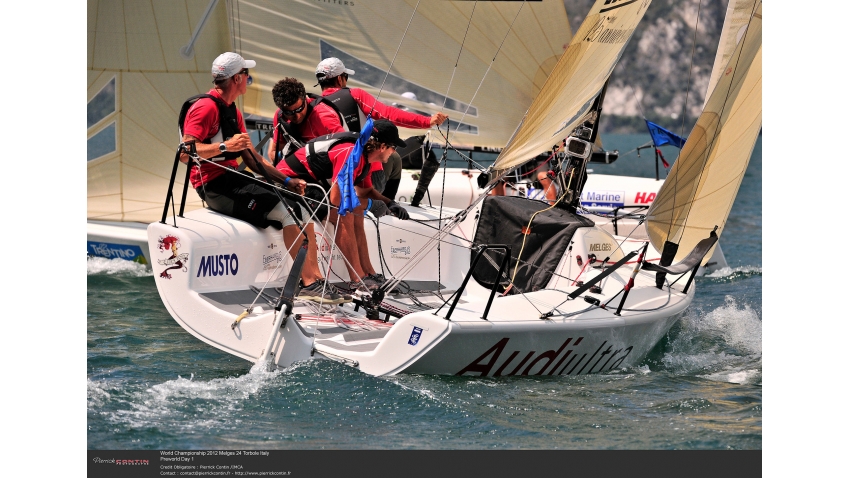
(151,385)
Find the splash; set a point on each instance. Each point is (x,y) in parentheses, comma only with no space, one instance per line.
(725,342)
(733,272)
(212,402)
(101,265)
(97,393)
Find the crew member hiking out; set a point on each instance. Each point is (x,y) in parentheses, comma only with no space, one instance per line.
(217,128)
(321,161)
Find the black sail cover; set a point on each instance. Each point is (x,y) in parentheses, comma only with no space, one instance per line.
(503,220)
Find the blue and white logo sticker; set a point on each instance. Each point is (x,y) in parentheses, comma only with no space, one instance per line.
(414,336)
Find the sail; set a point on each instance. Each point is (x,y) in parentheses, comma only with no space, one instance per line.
(738,13)
(576,80)
(701,187)
(137,81)
(289,38)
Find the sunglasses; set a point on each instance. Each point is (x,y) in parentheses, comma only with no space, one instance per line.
(250,79)
(296,110)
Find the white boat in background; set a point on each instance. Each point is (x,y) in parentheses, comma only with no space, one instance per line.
(506,286)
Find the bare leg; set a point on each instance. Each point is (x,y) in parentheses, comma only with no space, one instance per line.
(346,242)
(292,234)
(360,238)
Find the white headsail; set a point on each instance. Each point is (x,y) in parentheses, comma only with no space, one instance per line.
(575,81)
(701,187)
(290,38)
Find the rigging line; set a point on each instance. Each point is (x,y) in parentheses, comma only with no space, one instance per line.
(457,60)
(684,112)
(266,184)
(479,166)
(690,69)
(474,246)
(707,150)
(637,100)
(444,229)
(239,26)
(528,231)
(726,99)
(510,28)
(445,165)
(394,56)
(325,284)
(279,264)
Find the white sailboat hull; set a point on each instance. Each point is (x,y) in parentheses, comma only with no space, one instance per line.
(221,258)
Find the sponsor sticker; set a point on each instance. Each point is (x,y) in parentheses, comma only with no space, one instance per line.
(610,199)
(116,251)
(414,336)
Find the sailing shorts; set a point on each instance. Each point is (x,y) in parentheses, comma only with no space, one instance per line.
(243,198)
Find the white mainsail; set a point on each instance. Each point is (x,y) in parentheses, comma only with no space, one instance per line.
(140,72)
(575,81)
(137,82)
(701,187)
(526,38)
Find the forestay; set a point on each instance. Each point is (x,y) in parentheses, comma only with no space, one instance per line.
(290,38)
(700,189)
(583,69)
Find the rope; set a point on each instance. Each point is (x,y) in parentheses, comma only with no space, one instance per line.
(491,62)
(684,112)
(380,90)
(527,231)
(457,60)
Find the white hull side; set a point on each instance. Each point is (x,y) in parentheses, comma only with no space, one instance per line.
(219,256)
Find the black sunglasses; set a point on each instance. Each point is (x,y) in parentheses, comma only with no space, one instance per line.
(250,79)
(295,111)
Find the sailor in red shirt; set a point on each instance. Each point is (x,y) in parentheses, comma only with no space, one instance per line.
(355,105)
(299,117)
(325,165)
(217,129)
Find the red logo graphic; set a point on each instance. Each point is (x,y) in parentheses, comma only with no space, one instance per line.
(176,261)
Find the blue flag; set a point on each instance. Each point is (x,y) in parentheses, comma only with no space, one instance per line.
(661,136)
(345,178)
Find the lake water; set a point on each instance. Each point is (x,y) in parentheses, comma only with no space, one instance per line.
(151,385)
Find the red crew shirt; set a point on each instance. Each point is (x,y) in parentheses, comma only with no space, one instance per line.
(321,121)
(337,154)
(398,117)
(202,123)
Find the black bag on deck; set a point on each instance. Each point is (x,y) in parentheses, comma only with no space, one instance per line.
(503,220)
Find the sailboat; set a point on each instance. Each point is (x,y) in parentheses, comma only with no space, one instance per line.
(507,286)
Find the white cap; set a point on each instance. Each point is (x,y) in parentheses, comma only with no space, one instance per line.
(331,68)
(229,64)
(409,95)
